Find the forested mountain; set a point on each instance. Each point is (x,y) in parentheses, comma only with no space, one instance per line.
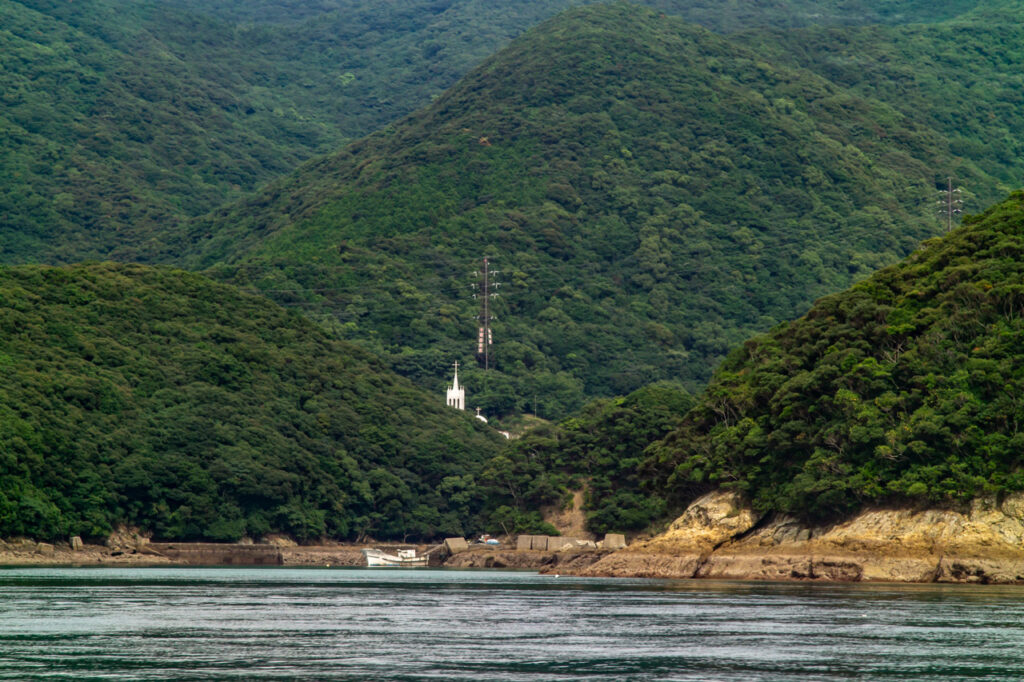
(651,192)
(961,81)
(123,118)
(162,399)
(906,387)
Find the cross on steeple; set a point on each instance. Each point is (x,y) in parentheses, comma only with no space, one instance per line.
(456,396)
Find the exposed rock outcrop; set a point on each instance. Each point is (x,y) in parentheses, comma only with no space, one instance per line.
(570,561)
(719,536)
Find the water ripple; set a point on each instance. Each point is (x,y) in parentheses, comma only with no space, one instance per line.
(273,623)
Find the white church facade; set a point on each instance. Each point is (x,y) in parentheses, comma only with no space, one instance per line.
(456,398)
(456,394)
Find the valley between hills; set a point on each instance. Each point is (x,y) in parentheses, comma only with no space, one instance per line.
(243,249)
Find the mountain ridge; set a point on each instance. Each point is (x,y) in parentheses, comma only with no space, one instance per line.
(626,170)
(125,119)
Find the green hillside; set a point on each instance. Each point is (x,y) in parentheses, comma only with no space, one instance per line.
(121,119)
(736,15)
(905,387)
(158,398)
(960,80)
(651,192)
(598,451)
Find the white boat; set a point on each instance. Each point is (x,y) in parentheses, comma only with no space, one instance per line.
(377,558)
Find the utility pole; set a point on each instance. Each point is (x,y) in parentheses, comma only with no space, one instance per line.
(485,338)
(951,203)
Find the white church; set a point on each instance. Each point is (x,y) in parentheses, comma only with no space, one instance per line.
(456,394)
(456,397)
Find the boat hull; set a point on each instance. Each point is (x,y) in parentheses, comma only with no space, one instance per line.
(376,558)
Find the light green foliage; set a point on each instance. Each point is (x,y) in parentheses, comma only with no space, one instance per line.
(905,387)
(651,192)
(158,398)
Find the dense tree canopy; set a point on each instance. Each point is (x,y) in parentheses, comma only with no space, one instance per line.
(908,386)
(651,192)
(598,451)
(159,398)
(121,119)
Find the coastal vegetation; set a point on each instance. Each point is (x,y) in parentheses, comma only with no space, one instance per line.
(904,389)
(599,451)
(161,399)
(650,193)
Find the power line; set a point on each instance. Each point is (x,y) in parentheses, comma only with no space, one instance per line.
(951,204)
(485,338)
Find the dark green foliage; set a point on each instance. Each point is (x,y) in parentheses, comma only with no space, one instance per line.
(961,80)
(598,450)
(652,193)
(158,398)
(906,387)
(121,119)
(514,521)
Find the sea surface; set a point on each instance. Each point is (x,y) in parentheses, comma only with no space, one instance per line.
(421,624)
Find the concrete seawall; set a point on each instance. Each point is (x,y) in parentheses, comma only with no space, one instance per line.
(213,554)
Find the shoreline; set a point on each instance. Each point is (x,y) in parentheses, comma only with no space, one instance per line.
(789,565)
(31,553)
(44,555)
(718,537)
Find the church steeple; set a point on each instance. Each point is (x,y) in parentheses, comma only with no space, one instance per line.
(456,394)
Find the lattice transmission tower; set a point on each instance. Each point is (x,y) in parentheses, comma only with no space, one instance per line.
(951,203)
(485,291)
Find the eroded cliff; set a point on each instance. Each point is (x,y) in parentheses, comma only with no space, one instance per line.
(720,536)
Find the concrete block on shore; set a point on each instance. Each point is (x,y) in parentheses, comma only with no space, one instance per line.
(44,548)
(614,541)
(555,543)
(76,543)
(524,542)
(456,545)
(538,542)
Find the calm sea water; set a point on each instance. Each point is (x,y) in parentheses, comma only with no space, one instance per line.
(278,623)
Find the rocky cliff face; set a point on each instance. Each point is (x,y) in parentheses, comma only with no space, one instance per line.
(719,536)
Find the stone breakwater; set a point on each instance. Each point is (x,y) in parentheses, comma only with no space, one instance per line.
(138,552)
(721,537)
